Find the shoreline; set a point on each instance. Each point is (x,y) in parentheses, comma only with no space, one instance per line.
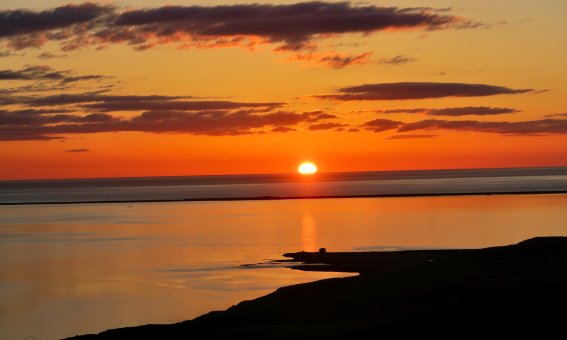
(279,198)
(401,293)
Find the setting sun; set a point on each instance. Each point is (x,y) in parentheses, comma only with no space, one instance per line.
(307,168)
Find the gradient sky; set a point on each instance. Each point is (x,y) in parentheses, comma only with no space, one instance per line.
(136,88)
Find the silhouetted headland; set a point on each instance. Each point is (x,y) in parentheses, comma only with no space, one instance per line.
(501,291)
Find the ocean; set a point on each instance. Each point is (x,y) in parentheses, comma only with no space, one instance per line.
(72,268)
(383,183)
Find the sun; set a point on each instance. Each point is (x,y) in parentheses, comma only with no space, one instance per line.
(307,168)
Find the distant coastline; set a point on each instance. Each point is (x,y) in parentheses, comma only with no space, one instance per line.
(381,184)
(281,198)
(294,177)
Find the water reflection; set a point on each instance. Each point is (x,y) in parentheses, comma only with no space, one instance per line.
(308,233)
(167,262)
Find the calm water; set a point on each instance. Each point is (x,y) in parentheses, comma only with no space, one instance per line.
(286,185)
(83,268)
(73,269)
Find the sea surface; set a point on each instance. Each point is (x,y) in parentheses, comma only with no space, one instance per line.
(286,185)
(69,269)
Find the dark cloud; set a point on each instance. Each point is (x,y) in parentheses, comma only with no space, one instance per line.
(418,90)
(22,21)
(411,136)
(142,105)
(542,126)
(470,111)
(557,115)
(29,117)
(215,123)
(48,55)
(77,150)
(341,61)
(379,125)
(456,111)
(24,28)
(43,117)
(283,129)
(34,111)
(397,60)
(291,26)
(316,116)
(46,73)
(294,25)
(326,126)
(331,59)
(20,135)
(417,110)
(90,97)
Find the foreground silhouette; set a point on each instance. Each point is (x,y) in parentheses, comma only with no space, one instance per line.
(501,291)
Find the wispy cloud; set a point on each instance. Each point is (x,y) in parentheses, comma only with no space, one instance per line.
(397,60)
(326,126)
(411,136)
(331,59)
(557,115)
(43,72)
(77,150)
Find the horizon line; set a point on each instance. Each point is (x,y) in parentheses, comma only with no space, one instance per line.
(278,174)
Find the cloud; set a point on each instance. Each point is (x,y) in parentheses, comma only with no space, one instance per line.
(295,26)
(326,126)
(77,150)
(19,135)
(456,111)
(470,111)
(542,126)
(81,98)
(93,101)
(332,59)
(283,129)
(397,60)
(411,136)
(21,21)
(379,125)
(34,111)
(47,73)
(50,116)
(559,115)
(418,90)
(24,28)
(48,55)
(142,105)
(29,117)
(17,125)
(316,116)
(290,26)
(417,110)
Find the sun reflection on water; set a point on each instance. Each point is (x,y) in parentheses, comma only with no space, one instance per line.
(308,233)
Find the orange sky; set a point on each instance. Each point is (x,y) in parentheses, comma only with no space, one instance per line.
(480,85)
